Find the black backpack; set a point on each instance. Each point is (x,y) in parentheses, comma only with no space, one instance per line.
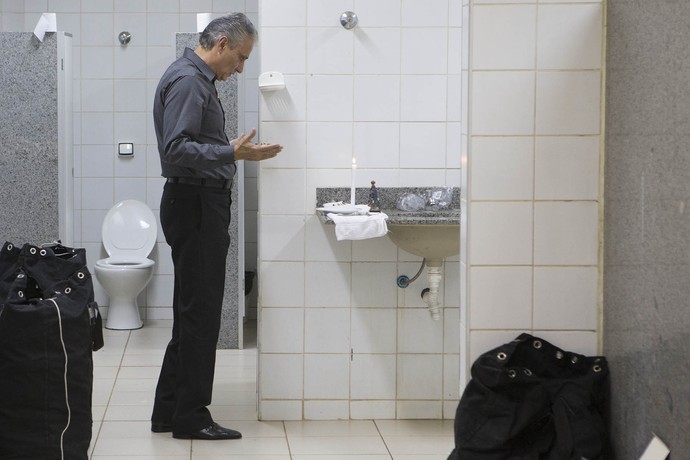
(530,400)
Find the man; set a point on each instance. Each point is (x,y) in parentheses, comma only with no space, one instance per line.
(198,161)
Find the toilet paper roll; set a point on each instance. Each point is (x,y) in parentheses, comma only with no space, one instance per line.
(46,23)
(202,20)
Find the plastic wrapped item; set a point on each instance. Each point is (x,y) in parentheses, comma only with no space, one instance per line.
(411,202)
(438,198)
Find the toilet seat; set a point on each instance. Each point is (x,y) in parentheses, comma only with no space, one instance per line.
(129,233)
(119,263)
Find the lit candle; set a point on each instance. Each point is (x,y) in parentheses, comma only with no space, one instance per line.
(352,189)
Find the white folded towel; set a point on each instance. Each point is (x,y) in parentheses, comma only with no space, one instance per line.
(354,227)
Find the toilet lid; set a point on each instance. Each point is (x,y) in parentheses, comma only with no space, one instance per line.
(129,229)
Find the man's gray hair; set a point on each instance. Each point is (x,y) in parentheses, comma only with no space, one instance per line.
(235,26)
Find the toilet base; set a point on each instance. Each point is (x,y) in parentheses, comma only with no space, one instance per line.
(123,315)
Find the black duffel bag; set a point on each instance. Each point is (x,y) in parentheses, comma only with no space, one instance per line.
(49,326)
(530,400)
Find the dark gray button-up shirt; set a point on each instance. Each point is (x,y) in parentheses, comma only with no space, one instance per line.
(189,122)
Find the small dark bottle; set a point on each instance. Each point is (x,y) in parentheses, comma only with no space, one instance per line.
(374,202)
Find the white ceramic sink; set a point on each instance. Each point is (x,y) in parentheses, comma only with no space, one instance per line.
(434,242)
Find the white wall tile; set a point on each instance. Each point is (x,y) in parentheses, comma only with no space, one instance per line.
(423,98)
(131,127)
(424,50)
(418,333)
(326,376)
(134,23)
(327,410)
(129,95)
(130,5)
(454,110)
(97,128)
(501,233)
(282,284)
(281,191)
(502,168)
(328,284)
(275,56)
(451,330)
(455,46)
(451,377)
(381,13)
(373,285)
(430,13)
(484,341)
(283,13)
(423,145)
(504,37)
(321,243)
(374,330)
(373,376)
(327,330)
(289,104)
(377,50)
(281,410)
(454,146)
(566,233)
(565,298)
(568,102)
(370,410)
(419,410)
(92,222)
(97,193)
(282,237)
(280,376)
(281,330)
(329,144)
(323,14)
(131,62)
(583,342)
(329,51)
(420,376)
(566,168)
(97,161)
(100,59)
(129,188)
(293,137)
(97,29)
(193,6)
(375,249)
(503,103)
(377,98)
(159,292)
(329,98)
(377,145)
(165,25)
(422,177)
(501,297)
(570,36)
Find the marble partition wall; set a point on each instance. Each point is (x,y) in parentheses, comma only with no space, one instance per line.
(233,302)
(29,204)
(647,225)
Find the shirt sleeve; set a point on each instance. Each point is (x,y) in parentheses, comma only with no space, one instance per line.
(184,113)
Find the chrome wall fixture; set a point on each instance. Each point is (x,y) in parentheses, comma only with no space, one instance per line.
(348,20)
(124,38)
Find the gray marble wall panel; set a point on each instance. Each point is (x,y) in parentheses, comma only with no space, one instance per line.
(229,332)
(29,136)
(647,224)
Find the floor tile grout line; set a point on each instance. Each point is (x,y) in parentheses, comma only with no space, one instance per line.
(383,439)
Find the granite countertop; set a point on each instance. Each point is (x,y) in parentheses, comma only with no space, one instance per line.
(388,197)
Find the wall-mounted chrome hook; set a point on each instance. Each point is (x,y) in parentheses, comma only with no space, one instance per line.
(348,20)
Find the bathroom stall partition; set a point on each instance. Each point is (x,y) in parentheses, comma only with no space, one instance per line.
(36,175)
(231,336)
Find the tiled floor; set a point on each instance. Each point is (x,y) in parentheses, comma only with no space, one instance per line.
(125,374)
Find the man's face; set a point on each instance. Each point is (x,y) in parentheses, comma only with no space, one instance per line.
(232,59)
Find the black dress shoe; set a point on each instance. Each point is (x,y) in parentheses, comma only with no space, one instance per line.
(161,427)
(211,433)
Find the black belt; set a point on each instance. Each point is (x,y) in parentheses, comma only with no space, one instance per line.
(202,182)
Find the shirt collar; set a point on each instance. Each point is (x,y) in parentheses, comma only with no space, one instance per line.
(200,64)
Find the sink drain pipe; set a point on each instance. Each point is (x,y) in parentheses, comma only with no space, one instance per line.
(403,280)
(430,294)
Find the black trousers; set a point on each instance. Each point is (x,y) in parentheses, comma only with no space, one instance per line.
(195,222)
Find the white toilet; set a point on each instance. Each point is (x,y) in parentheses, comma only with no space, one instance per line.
(129,233)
